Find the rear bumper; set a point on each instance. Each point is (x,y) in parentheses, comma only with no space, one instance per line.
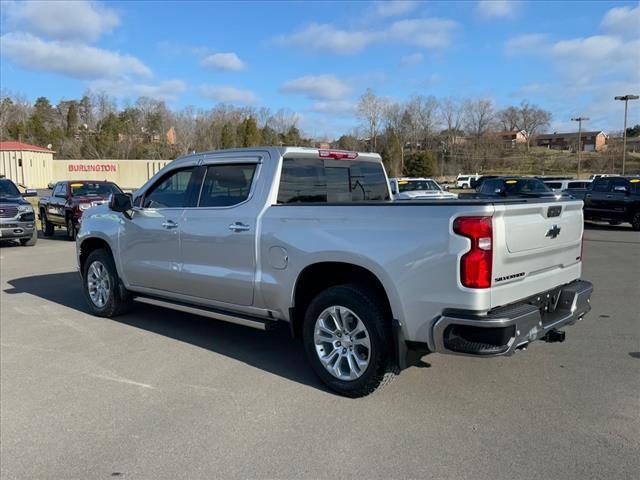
(505,330)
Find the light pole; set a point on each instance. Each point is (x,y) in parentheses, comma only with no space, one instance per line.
(579,120)
(626,99)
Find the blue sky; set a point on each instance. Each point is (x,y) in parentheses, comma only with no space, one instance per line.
(316,58)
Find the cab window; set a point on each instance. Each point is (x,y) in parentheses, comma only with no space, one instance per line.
(601,185)
(172,191)
(226,185)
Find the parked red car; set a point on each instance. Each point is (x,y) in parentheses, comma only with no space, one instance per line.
(69,200)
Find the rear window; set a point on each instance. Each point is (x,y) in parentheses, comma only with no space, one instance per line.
(553,184)
(578,184)
(318,180)
(601,185)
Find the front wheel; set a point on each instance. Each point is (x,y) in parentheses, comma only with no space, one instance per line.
(47,226)
(347,338)
(30,242)
(102,287)
(71,229)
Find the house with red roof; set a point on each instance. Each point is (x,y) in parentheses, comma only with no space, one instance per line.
(27,165)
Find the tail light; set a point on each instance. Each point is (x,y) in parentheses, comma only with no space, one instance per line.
(337,154)
(476,264)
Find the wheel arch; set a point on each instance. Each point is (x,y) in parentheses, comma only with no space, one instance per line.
(319,276)
(91,244)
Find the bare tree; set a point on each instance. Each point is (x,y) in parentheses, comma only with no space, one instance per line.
(451,113)
(509,118)
(478,117)
(424,119)
(398,124)
(283,120)
(370,110)
(532,119)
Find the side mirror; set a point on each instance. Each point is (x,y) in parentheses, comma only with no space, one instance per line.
(30,192)
(120,202)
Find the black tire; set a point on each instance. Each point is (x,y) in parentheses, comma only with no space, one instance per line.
(363,303)
(118,300)
(635,222)
(47,226)
(30,242)
(71,229)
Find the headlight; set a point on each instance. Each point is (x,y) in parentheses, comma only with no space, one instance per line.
(25,208)
(84,206)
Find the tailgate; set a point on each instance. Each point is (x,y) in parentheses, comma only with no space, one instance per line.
(537,246)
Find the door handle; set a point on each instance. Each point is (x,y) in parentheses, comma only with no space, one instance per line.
(239,227)
(169,224)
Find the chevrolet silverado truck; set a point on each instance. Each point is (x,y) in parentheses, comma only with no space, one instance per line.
(68,201)
(17,219)
(612,199)
(312,238)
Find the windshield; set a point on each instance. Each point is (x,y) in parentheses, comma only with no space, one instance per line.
(524,186)
(8,189)
(413,185)
(93,189)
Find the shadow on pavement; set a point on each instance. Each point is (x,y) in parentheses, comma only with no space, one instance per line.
(273,351)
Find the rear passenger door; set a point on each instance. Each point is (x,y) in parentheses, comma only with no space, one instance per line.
(218,235)
(595,199)
(620,200)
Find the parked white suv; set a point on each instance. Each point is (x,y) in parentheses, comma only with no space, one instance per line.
(464,181)
(418,189)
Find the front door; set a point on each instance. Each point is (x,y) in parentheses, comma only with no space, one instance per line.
(218,236)
(150,240)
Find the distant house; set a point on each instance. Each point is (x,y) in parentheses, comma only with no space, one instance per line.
(510,139)
(595,141)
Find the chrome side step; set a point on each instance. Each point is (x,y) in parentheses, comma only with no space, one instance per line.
(224,315)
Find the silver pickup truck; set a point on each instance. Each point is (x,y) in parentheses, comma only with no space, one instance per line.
(310,237)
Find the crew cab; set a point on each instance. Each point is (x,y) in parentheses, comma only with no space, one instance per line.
(312,238)
(417,189)
(68,201)
(17,219)
(614,199)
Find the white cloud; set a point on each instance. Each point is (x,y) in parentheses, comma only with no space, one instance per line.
(326,37)
(411,60)
(166,90)
(497,8)
(623,21)
(62,20)
(335,107)
(527,43)
(422,32)
(317,87)
(429,33)
(228,94)
(393,8)
(223,61)
(68,58)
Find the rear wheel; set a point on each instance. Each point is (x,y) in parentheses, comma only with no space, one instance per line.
(102,287)
(348,340)
(30,242)
(47,226)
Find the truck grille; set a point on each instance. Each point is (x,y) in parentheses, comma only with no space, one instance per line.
(8,211)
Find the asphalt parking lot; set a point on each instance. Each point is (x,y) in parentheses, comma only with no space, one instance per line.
(160,394)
